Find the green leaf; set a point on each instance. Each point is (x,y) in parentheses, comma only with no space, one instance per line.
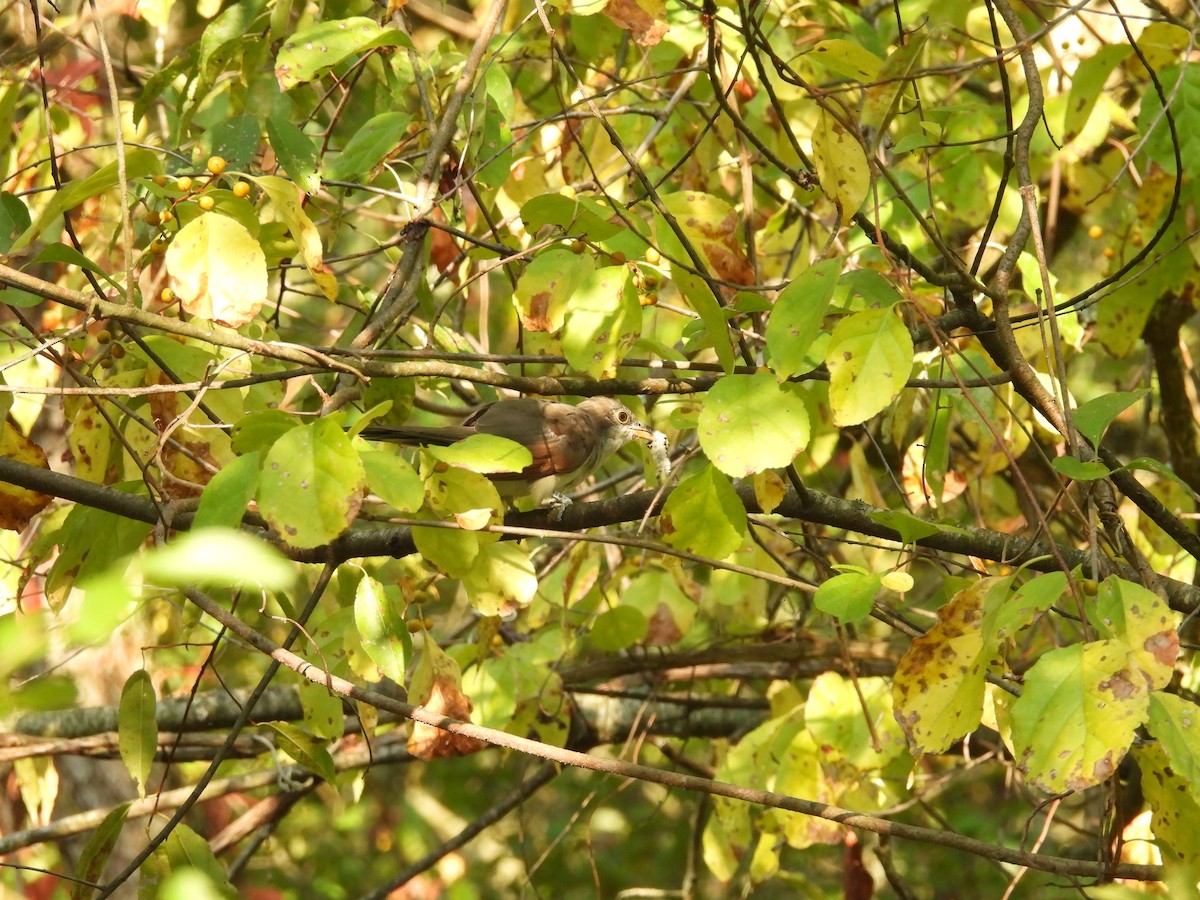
(704,515)
(259,430)
(1077,715)
(296,153)
(96,852)
(848,597)
(323,714)
(312,51)
(195,872)
(617,629)
(138,164)
(451,550)
(575,215)
(312,484)
(394,480)
(370,145)
(909,527)
(870,356)
(490,148)
(487,454)
(62,253)
(1093,417)
(235,140)
(14,219)
(137,731)
(1182,85)
(304,749)
(382,629)
(245,561)
(226,496)
(1158,467)
(107,600)
(797,318)
(1077,470)
(751,423)
(603,321)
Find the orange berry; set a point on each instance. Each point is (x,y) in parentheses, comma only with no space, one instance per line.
(184,183)
(1095,231)
(216,165)
(241,189)
(167,295)
(206,203)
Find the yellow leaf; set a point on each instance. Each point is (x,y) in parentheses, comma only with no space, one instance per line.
(218,270)
(842,165)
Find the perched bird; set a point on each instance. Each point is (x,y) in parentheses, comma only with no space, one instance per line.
(567,442)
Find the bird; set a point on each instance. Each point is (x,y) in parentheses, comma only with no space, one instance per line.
(568,443)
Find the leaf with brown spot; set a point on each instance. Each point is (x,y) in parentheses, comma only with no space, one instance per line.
(18,505)
(714,228)
(939,684)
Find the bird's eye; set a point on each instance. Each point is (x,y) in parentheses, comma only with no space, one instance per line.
(624,416)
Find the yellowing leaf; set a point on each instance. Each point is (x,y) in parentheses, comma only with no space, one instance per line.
(938,688)
(845,58)
(502,580)
(1176,811)
(545,287)
(1077,715)
(603,321)
(18,505)
(703,515)
(218,270)
(842,166)
(870,356)
(893,81)
(382,628)
(714,228)
(1141,619)
(285,201)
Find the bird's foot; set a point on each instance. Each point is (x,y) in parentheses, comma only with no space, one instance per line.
(558,503)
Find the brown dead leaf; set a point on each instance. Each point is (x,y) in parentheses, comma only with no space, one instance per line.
(645,20)
(437,687)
